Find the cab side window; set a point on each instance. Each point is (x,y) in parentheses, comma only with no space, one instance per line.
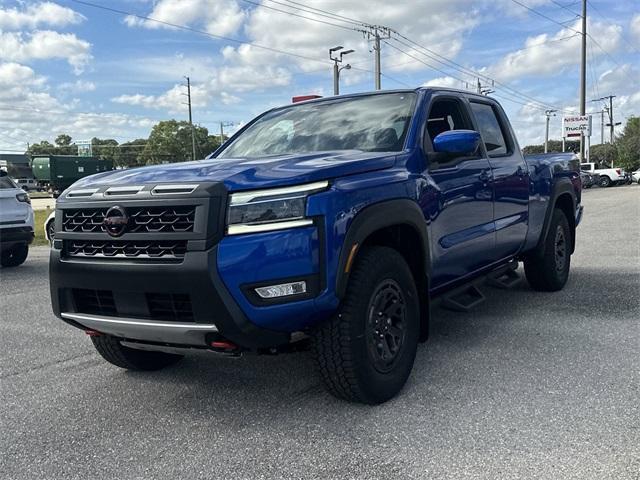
(490,129)
(445,115)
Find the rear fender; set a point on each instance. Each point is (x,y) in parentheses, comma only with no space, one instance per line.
(562,186)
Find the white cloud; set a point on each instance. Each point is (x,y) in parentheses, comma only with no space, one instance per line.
(38,14)
(172,100)
(79,86)
(248,68)
(635,26)
(218,17)
(14,74)
(546,55)
(448,82)
(45,44)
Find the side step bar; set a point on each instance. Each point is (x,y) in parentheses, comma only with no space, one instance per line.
(469,295)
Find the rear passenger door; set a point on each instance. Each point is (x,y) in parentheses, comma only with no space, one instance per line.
(510,176)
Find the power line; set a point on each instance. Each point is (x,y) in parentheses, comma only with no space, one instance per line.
(566,7)
(334,15)
(611,57)
(195,30)
(473,73)
(611,22)
(574,30)
(262,5)
(425,63)
(533,10)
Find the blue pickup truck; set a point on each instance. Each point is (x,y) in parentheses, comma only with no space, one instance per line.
(338,222)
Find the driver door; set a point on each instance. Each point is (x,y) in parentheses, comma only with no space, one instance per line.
(458,199)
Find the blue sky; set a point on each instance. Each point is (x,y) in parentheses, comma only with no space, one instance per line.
(67,67)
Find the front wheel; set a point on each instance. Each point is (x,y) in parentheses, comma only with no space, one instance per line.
(365,352)
(549,272)
(117,354)
(14,256)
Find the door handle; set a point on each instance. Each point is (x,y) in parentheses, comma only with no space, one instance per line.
(484,176)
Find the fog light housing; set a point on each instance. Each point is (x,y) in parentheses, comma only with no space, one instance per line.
(282,290)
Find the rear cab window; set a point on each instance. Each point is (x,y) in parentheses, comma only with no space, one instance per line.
(493,132)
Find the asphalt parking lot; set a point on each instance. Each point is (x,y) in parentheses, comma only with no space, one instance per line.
(529,385)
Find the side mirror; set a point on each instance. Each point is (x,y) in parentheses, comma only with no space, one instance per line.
(457,142)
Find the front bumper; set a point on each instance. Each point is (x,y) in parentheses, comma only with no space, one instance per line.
(129,284)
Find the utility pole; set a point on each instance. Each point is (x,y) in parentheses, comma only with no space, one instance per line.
(222,125)
(612,125)
(193,134)
(377,33)
(583,74)
(549,114)
(609,109)
(336,68)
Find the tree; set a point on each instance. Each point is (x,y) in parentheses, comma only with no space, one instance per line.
(603,155)
(554,146)
(42,148)
(170,141)
(105,149)
(130,153)
(628,146)
(64,145)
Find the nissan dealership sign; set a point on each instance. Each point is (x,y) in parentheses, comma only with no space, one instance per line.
(573,126)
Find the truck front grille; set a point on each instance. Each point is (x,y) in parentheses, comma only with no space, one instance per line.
(141,219)
(126,248)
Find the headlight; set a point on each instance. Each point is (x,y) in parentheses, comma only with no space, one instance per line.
(272,209)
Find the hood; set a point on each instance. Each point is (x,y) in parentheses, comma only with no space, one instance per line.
(245,174)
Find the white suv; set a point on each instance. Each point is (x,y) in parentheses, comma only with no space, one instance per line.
(16,222)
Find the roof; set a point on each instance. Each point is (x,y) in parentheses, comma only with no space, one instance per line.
(14,158)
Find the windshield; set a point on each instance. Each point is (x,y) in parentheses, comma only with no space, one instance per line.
(374,123)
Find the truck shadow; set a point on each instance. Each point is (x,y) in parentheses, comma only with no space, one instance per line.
(511,324)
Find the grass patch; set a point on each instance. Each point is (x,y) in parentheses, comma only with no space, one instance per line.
(39,195)
(40,216)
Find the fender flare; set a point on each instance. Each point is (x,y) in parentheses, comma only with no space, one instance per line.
(560,187)
(375,217)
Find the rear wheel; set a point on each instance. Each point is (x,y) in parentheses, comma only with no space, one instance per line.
(605,181)
(14,256)
(550,271)
(117,354)
(365,352)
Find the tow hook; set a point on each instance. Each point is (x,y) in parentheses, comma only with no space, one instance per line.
(93,333)
(226,347)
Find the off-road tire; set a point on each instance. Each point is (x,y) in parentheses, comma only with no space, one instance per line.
(14,256)
(605,181)
(114,352)
(548,271)
(346,347)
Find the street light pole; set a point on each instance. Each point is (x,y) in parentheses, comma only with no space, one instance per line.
(548,113)
(336,67)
